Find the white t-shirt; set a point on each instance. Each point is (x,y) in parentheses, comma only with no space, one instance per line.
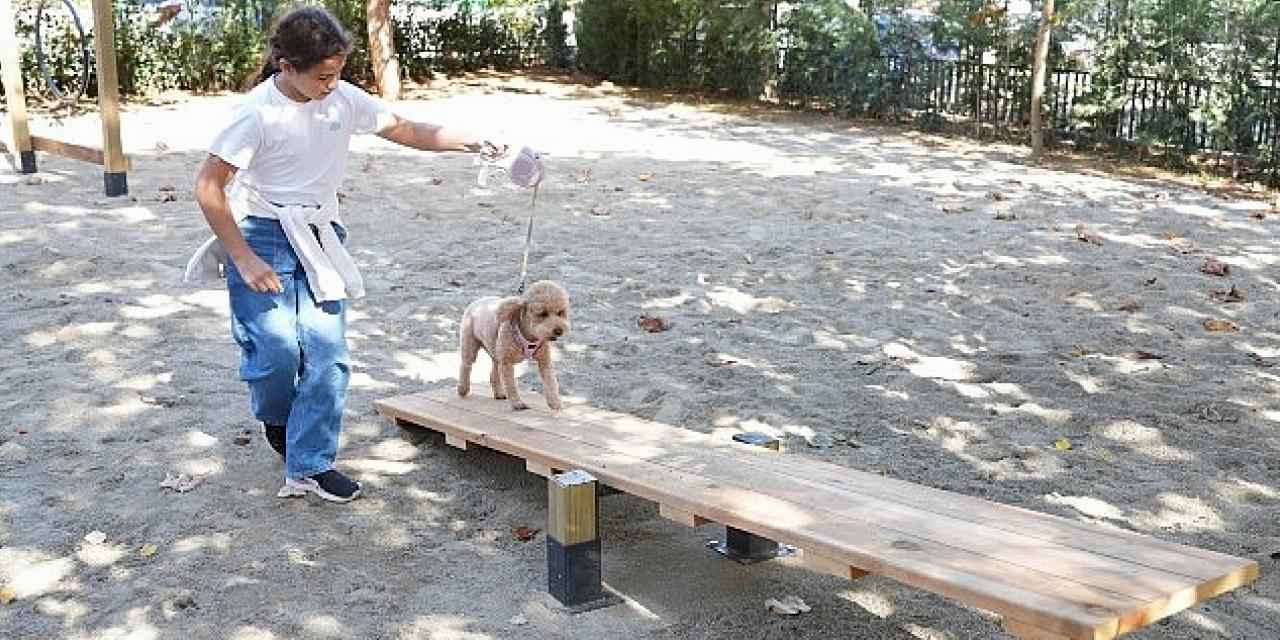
(292,152)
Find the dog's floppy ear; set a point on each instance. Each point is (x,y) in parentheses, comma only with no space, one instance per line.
(509,308)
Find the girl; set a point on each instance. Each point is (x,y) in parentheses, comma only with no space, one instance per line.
(280,242)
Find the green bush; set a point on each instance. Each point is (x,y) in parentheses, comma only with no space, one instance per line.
(688,44)
(832,57)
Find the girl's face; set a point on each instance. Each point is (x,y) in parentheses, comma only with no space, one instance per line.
(316,83)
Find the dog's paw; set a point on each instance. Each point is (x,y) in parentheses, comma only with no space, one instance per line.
(498,395)
(519,405)
(463,389)
(554,403)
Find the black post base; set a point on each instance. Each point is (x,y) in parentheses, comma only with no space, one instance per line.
(745,547)
(117,184)
(574,575)
(28,161)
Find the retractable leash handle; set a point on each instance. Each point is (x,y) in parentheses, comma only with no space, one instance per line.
(525,170)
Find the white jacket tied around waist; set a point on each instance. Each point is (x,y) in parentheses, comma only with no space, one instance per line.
(331,272)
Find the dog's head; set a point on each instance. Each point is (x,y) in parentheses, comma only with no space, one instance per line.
(542,312)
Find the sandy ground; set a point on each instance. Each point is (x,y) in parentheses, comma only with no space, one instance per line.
(930,308)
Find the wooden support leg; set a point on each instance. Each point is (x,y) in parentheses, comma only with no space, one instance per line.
(115,165)
(573,540)
(15,98)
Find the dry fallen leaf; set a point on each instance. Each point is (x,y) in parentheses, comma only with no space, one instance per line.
(1215,268)
(652,324)
(1141,355)
(525,534)
(181,482)
(1062,444)
(148,550)
(1233,294)
(1129,307)
(1220,325)
(1083,235)
(788,606)
(8,594)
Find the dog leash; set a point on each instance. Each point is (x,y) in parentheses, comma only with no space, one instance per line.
(524,170)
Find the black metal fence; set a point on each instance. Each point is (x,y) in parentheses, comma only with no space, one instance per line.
(1190,115)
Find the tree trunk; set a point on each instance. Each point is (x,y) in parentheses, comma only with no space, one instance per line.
(1038,73)
(382,49)
(770,89)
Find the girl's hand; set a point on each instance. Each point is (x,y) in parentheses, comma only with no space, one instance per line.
(489,151)
(258,275)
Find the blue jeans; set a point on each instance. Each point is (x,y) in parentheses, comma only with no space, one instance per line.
(293,352)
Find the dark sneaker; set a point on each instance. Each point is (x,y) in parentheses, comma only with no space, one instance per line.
(330,485)
(275,437)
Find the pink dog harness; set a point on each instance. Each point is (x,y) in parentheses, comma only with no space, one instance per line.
(529,348)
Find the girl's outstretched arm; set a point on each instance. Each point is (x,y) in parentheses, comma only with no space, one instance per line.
(431,137)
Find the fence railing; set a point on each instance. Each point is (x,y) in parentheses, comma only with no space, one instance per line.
(1145,109)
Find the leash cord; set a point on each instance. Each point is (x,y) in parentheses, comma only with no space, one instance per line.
(528,240)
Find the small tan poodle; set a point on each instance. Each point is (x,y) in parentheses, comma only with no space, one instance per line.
(513,329)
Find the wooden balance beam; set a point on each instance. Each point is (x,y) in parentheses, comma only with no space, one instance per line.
(1049,577)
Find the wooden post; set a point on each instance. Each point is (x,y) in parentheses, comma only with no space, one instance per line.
(115,165)
(1038,72)
(15,98)
(573,539)
(382,49)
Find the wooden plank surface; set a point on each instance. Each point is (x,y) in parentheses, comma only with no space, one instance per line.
(1042,572)
(11,76)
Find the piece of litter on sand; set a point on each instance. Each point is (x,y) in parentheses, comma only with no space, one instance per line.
(518,621)
(525,534)
(95,537)
(181,482)
(1234,294)
(820,441)
(1218,326)
(788,606)
(148,550)
(652,324)
(1062,444)
(1215,268)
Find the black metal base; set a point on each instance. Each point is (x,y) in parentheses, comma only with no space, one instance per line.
(28,161)
(745,547)
(758,439)
(573,572)
(117,184)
